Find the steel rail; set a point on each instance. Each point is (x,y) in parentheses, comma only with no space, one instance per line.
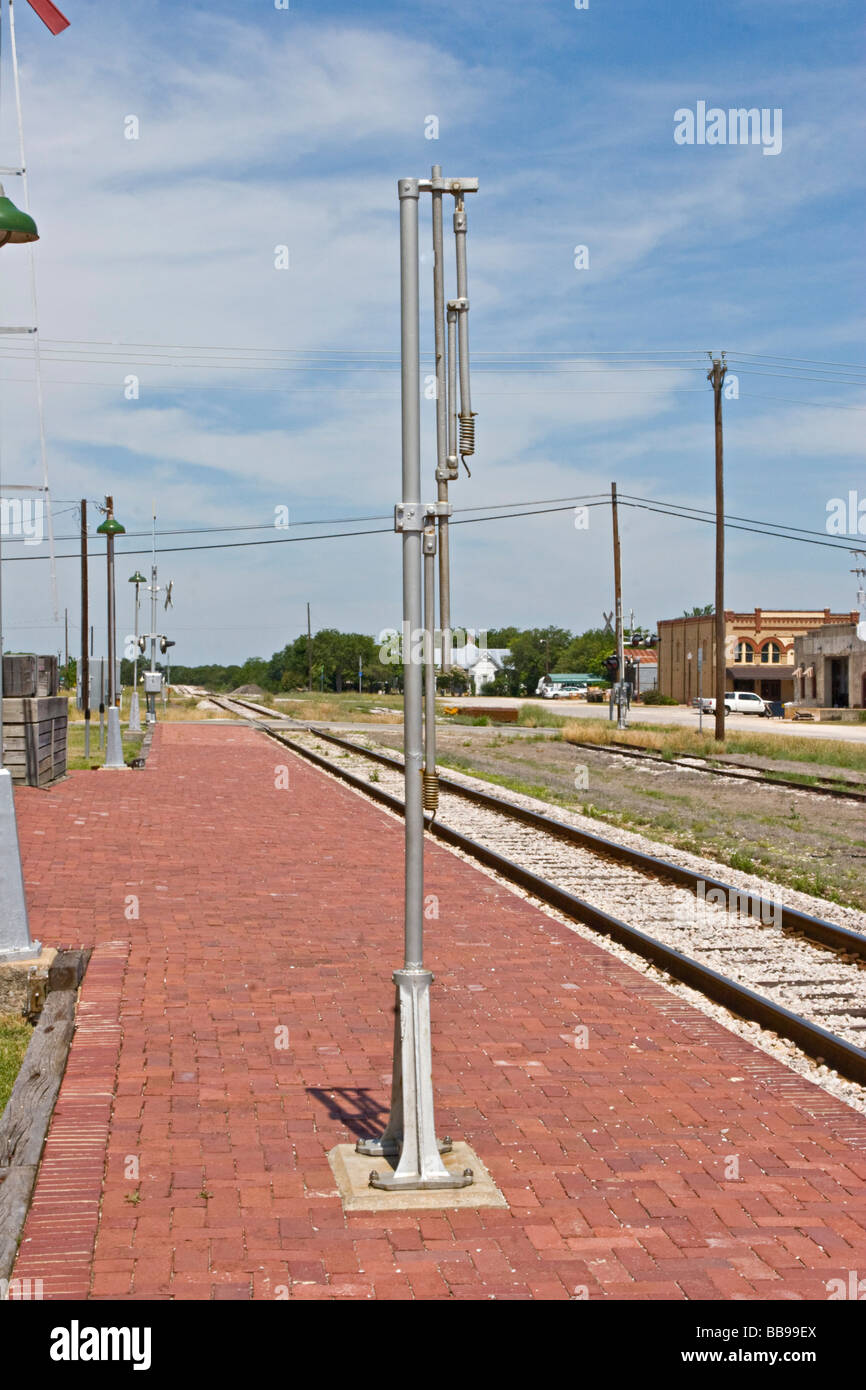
(855,794)
(792,919)
(816,1042)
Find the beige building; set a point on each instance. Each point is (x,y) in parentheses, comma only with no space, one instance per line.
(830,670)
(759,651)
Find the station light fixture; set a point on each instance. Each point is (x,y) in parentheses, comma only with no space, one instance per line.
(15,226)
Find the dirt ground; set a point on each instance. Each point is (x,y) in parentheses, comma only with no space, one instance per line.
(813,843)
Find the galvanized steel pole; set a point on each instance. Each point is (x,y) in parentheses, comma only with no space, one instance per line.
(410,345)
(443,471)
(15,942)
(410,1132)
(617,582)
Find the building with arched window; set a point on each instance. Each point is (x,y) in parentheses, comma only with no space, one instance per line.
(759,651)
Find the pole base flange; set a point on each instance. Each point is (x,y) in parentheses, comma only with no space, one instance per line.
(410,1135)
(393,1182)
(390,1148)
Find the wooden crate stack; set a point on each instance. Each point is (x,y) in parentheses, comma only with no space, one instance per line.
(34,739)
(35,720)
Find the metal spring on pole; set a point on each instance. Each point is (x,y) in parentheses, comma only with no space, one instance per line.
(467,434)
(431,791)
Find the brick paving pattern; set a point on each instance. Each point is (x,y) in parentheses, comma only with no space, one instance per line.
(187,1154)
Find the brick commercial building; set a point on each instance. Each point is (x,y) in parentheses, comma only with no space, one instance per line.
(830,668)
(759,650)
(645,662)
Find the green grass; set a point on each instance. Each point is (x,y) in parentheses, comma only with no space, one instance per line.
(75,759)
(513,784)
(675,740)
(534,717)
(15,1034)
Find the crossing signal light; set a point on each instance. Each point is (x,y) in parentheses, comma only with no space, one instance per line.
(141,644)
(164,644)
(611,665)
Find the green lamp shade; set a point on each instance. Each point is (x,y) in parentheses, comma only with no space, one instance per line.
(15,225)
(137,578)
(110,527)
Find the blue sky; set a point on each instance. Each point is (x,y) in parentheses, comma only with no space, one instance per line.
(261,127)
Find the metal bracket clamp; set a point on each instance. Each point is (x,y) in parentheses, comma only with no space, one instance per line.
(444,185)
(417,516)
(410,516)
(459,305)
(450,472)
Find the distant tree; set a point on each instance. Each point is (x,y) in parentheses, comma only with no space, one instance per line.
(586,653)
(705,612)
(534,652)
(501,636)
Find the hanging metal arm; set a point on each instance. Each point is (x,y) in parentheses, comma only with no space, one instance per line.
(461,305)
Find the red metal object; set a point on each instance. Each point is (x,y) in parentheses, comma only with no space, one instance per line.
(50,15)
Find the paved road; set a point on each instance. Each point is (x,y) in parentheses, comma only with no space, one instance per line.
(680,714)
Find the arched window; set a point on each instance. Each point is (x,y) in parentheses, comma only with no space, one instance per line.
(772,652)
(745,652)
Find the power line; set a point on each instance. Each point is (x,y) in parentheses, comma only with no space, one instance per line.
(530,510)
(225,350)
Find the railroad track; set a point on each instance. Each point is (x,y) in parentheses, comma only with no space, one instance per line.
(800,976)
(824,787)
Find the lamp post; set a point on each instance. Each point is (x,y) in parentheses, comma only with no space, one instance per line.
(15,942)
(114,746)
(134,725)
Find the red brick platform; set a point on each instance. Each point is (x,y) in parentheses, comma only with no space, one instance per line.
(187,1154)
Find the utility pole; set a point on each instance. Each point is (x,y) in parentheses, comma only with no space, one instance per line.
(309,652)
(66,634)
(717,375)
(85,624)
(617,584)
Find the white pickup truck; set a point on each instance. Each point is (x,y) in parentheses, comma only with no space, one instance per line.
(738,702)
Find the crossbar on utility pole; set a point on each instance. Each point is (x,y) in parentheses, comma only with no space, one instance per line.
(717,375)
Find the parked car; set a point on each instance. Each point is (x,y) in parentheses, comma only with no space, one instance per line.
(739,702)
(565,691)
